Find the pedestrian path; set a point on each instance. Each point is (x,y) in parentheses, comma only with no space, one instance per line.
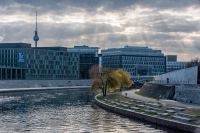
(42,88)
(131,94)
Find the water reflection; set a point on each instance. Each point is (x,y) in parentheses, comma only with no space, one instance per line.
(62,111)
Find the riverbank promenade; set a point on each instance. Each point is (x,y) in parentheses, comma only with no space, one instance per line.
(42,88)
(131,94)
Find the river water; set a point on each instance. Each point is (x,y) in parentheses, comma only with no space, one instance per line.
(71,110)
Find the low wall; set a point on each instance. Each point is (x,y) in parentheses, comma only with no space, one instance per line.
(183,76)
(153,119)
(187,93)
(42,83)
(152,90)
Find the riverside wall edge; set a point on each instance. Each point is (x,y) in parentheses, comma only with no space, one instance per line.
(169,123)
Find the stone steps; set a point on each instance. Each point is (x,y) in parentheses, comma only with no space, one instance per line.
(170,111)
(175,108)
(163,114)
(134,108)
(124,106)
(188,116)
(112,102)
(157,109)
(153,105)
(139,102)
(140,106)
(127,103)
(131,101)
(181,119)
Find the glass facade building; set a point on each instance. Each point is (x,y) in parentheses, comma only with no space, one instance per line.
(136,60)
(88,58)
(21,61)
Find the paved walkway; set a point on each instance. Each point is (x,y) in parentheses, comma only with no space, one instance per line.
(42,88)
(131,94)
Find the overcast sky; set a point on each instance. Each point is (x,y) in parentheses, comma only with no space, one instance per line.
(169,25)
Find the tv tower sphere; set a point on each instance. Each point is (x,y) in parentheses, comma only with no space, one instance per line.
(36,38)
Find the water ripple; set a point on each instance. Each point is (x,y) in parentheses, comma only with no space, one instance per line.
(63,111)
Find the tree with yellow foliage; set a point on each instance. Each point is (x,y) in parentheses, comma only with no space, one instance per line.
(108,80)
(124,78)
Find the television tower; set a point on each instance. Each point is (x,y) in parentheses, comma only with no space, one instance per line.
(36,38)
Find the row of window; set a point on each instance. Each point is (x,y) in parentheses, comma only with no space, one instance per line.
(51,76)
(143,58)
(39,71)
(50,52)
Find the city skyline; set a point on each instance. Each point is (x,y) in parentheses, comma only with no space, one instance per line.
(172,26)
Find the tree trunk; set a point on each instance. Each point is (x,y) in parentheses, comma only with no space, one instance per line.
(121,87)
(103,92)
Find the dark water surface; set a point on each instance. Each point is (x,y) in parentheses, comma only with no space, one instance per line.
(71,110)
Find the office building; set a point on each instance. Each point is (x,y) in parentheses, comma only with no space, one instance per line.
(173,66)
(21,61)
(136,60)
(88,58)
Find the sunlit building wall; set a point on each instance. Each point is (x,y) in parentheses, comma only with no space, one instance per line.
(136,60)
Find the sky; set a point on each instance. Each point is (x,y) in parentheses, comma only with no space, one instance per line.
(172,26)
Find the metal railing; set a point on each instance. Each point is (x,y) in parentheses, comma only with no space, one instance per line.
(169,83)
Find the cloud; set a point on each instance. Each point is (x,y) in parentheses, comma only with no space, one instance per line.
(2,37)
(171,25)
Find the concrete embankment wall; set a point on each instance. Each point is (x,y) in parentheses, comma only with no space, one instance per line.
(187,93)
(152,90)
(183,76)
(42,83)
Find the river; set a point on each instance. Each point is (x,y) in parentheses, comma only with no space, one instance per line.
(70,110)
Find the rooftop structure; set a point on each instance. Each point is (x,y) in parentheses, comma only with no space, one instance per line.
(15,45)
(132,50)
(52,48)
(171,58)
(84,49)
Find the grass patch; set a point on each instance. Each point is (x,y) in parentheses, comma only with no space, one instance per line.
(193,112)
(151,113)
(139,110)
(137,92)
(192,123)
(167,117)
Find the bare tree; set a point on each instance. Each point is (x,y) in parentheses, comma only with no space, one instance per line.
(193,62)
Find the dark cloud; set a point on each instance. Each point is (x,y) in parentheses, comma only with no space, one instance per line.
(157,26)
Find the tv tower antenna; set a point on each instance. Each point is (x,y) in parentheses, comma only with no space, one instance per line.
(36,38)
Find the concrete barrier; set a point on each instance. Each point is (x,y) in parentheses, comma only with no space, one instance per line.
(42,83)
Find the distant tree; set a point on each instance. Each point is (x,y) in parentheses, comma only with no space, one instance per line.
(193,62)
(108,80)
(94,72)
(124,78)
